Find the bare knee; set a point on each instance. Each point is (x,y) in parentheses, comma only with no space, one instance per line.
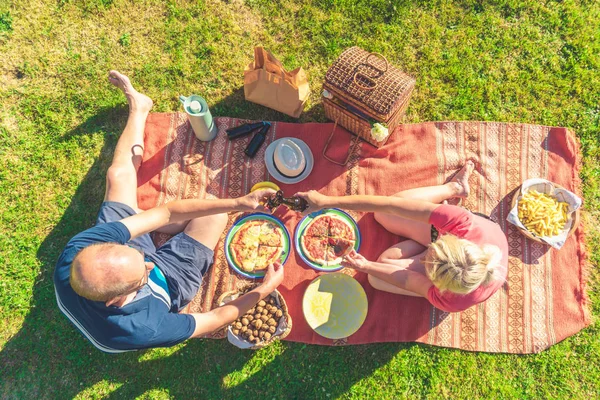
(208,229)
(380,217)
(219,221)
(377,216)
(375,282)
(384,257)
(214,222)
(118,174)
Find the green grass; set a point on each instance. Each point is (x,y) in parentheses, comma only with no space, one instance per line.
(505,60)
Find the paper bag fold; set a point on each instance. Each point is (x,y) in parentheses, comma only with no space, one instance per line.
(266,82)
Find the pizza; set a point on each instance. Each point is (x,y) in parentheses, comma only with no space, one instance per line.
(315,248)
(256,244)
(319,227)
(327,239)
(244,256)
(339,228)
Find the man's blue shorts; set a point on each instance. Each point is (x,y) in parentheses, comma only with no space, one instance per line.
(182,259)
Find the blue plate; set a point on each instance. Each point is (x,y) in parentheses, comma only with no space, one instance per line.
(304,222)
(251,217)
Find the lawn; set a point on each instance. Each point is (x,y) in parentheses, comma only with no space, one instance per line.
(506,60)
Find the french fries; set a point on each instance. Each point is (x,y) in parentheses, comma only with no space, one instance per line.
(542,214)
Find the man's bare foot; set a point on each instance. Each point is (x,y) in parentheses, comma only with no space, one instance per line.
(137,102)
(461,179)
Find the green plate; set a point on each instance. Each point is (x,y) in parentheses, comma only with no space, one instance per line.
(335,305)
(304,222)
(256,216)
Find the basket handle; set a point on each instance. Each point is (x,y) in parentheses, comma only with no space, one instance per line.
(387,65)
(350,151)
(369,78)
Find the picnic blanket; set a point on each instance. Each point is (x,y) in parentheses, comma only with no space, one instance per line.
(544,299)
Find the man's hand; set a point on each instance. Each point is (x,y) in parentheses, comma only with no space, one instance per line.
(226,314)
(315,200)
(256,200)
(273,277)
(355,261)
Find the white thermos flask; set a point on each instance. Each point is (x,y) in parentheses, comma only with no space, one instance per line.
(199,116)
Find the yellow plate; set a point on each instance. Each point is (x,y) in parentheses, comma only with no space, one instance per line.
(264,185)
(335,305)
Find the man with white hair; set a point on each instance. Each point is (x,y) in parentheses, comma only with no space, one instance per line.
(121,291)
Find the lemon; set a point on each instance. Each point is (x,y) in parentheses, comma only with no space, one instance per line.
(318,306)
(264,185)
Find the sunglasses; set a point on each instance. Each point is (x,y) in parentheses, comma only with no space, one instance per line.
(145,277)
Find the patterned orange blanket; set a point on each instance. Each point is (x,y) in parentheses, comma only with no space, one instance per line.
(544,299)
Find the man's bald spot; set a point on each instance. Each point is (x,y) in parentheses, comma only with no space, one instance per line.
(101,272)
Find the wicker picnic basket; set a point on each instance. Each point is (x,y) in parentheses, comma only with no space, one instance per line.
(362,88)
(285,325)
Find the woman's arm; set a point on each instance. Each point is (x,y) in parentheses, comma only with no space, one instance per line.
(417,210)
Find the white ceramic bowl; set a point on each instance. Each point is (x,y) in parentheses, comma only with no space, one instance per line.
(289,158)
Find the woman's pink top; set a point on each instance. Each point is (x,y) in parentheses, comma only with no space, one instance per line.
(462,223)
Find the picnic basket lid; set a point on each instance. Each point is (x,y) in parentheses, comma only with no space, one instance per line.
(370,80)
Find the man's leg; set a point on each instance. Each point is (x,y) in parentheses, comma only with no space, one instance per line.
(207,230)
(121,177)
(419,231)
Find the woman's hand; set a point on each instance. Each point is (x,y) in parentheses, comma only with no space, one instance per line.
(315,200)
(256,200)
(355,261)
(273,277)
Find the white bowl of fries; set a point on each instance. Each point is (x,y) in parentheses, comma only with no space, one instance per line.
(545,212)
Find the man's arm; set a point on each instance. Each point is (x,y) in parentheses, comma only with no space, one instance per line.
(226,314)
(185,210)
(417,210)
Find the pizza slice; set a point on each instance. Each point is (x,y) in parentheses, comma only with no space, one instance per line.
(248,234)
(244,256)
(337,249)
(318,227)
(340,228)
(315,249)
(270,234)
(267,255)
(260,264)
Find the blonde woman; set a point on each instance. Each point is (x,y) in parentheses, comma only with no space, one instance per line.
(452,257)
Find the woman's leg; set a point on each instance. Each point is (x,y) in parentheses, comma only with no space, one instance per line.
(409,253)
(418,231)
(405,249)
(413,263)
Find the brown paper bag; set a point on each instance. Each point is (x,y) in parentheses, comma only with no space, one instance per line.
(266,82)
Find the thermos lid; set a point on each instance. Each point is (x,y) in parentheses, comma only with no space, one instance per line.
(195,106)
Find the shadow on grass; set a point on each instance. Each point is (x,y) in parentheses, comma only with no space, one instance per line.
(49,358)
(235,105)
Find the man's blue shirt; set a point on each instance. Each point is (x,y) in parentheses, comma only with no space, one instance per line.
(145,322)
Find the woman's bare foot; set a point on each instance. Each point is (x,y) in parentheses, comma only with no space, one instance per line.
(137,102)
(461,180)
